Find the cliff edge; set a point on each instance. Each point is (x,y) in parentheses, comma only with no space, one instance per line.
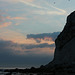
(64,56)
(65,43)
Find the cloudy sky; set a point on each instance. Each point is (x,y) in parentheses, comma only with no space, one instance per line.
(28,29)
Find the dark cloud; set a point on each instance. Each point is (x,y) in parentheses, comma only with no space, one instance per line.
(8,58)
(10,45)
(44,45)
(43,35)
(33,54)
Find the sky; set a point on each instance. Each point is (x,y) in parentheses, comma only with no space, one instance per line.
(28,29)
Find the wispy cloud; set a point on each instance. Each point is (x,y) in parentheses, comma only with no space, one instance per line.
(31,4)
(15,1)
(46,11)
(16,37)
(43,12)
(59,11)
(9,18)
(16,18)
(6,24)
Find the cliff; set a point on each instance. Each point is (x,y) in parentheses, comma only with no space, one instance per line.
(65,42)
(64,56)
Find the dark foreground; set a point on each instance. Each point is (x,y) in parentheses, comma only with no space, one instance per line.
(43,70)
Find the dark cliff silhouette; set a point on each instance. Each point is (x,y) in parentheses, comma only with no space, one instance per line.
(64,56)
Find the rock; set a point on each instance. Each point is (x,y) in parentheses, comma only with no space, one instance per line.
(65,42)
(64,56)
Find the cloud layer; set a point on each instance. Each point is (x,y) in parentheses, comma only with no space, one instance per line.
(13,54)
(45,10)
(22,53)
(44,35)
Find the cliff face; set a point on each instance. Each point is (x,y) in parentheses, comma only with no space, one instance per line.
(65,43)
(64,56)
